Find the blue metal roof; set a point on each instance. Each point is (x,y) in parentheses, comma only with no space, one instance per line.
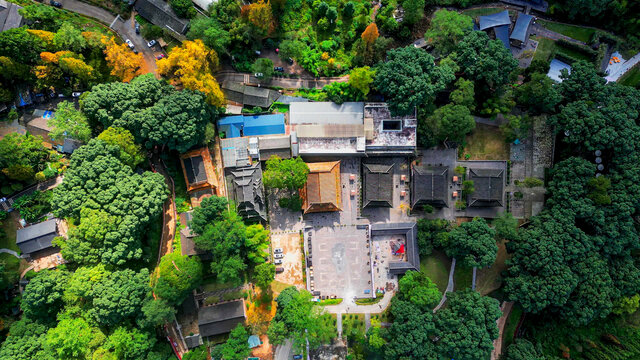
(239,125)
(522,25)
(502,34)
(264,125)
(493,20)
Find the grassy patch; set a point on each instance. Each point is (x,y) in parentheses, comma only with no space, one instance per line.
(370,301)
(510,325)
(561,50)
(575,32)
(277,287)
(279,108)
(330,302)
(489,279)
(12,264)
(436,266)
(351,322)
(213,285)
(631,78)
(482,11)
(462,277)
(10,227)
(486,143)
(545,48)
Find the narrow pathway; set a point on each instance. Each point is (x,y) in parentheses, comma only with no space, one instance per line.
(449,285)
(22,275)
(11,252)
(544,32)
(497,343)
(339,324)
(473,280)
(367,321)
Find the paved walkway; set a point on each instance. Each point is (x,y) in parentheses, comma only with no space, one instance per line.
(544,32)
(367,321)
(339,324)
(449,285)
(624,68)
(11,252)
(348,306)
(497,343)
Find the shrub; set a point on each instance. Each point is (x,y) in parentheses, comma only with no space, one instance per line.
(212,300)
(533,182)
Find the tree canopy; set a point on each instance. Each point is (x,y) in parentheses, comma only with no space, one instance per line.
(472,243)
(42,297)
(69,122)
(178,275)
(209,211)
(285,174)
(410,78)
(447,29)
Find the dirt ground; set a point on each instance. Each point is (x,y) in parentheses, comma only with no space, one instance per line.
(264,351)
(489,279)
(292,261)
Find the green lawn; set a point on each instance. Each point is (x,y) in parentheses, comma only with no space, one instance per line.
(462,277)
(486,143)
(575,32)
(10,226)
(631,78)
(482,11)
(545,48)
(561,50)
(510,325)
(489,279)
(436,266)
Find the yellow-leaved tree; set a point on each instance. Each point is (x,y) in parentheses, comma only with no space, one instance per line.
(46,36)
(192,64)
(124,64)
(76,67)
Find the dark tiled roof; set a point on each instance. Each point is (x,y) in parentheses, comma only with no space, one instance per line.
(410,231)
(37,237)
(429,186)
(249,95)
(378,185)
(488,185)
(220,319)
(194,168)
(159,13)
(248,192)
(193,341)
(522,27)
(493,20)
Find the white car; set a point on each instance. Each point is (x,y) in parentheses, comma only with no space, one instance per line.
(278,251)
(278,256)
(151,43)
(76,94)
(129,43)
(278,262)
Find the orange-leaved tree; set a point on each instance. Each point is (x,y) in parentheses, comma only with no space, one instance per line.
(370,34)
(192,64)
(124,64)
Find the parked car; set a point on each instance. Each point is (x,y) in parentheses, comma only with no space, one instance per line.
(277,250)
(76,94)
(279,269)
(258,52)
(135,51)
(290,61)
(55,4)
(161,56)
(278,256)
(137,28)
(278,68)
(278,262)
(297,357)
(151,43)
(258,75)
(129,44)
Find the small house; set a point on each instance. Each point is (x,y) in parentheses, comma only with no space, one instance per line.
(488,187)
(220,319)
(161,14)
(37,238)
(429,186)
(520,34)
(199,174)
(378,185)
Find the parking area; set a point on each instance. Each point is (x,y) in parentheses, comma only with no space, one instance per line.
(340,261)
(292,260)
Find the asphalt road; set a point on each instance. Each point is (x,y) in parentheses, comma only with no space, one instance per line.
(284,351)
(123,27)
